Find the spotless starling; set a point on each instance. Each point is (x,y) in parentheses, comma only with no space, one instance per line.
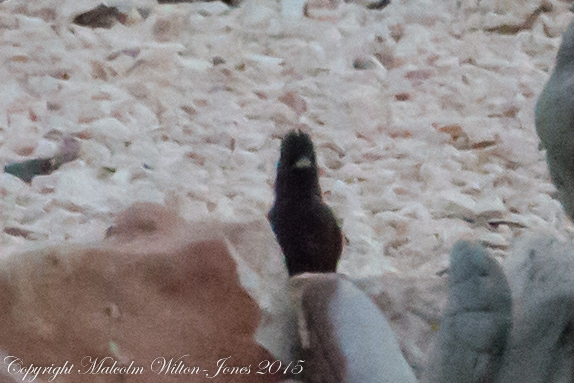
(304,225)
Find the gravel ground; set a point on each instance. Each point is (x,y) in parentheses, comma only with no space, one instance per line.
(422,116)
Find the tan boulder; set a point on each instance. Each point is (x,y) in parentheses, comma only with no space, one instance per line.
(158,289)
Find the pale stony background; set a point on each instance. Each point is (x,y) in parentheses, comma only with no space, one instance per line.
(422,115)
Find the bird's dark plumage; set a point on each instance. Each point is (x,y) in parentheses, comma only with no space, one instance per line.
(304,225)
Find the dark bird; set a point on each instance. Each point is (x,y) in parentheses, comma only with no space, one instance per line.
(555,121)
(304,225)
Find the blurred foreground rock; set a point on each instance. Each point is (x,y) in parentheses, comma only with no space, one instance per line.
(511,323)
(541,345)
(473,334)
(345,337)
(157,288)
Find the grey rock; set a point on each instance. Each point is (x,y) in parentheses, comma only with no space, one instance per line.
(474,330)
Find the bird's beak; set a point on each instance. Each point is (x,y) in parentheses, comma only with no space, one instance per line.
(303,163)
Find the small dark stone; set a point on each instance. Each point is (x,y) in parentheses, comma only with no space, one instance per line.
(218,60)
(29,169)
(379,4)
(100,17)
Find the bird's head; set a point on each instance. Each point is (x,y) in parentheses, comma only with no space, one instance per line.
(298,164)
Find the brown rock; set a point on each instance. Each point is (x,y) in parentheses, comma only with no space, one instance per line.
(157,288)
